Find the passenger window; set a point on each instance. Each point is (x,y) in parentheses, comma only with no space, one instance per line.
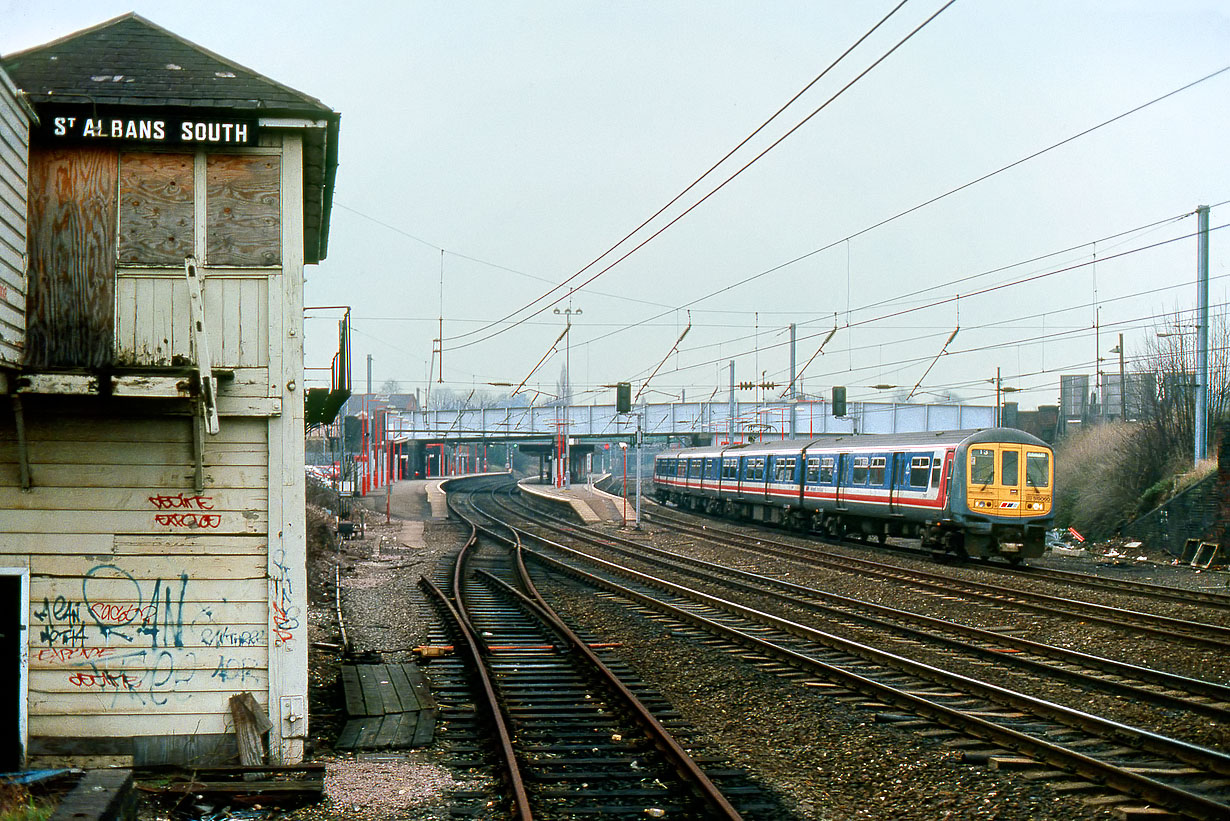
(981,466)
(813,471)
(1037,469)
(1009,468)
(937,467)
(694,469)
(877,470)
(826,470)
(858,475)
(920,469)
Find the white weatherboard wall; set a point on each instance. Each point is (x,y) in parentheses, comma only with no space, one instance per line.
(14,158)
(151,603)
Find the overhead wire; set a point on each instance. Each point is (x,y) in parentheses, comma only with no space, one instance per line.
(692,184)
(924,204)
(720,186)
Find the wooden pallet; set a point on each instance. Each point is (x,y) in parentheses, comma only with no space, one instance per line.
(390,707)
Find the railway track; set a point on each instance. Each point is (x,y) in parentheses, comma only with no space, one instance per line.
(1117,585)
(1166,690)
(1199,633)
(1164,771)
(573,738)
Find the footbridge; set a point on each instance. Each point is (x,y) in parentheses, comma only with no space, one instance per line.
(719,421)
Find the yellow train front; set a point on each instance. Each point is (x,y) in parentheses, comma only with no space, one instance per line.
(1000,497)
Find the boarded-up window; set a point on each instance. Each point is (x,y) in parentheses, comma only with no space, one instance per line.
(243,210)
(156,209)
(72,204)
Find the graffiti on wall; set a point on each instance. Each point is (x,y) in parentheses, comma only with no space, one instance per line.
(140,638)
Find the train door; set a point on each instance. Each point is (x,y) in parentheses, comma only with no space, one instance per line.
(896,471)
(843,467)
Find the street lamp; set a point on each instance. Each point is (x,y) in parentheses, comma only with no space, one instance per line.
(567,391)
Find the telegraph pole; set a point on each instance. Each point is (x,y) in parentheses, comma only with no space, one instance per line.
(1202,331)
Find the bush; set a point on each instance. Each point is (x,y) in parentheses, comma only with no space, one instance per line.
(1105,475)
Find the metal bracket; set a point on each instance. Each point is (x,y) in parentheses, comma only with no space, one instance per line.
(200,348)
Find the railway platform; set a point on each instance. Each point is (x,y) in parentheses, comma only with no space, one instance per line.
(590,505)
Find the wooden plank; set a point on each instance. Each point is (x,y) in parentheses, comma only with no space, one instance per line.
(156,208)
(125,431)
(247,734)
(243,202)
(27,544)
(140,568)
(217,454)
(154,499)
(117,589)
(406,730)
(369,683)
(168,712)
(426,728)
(203,650)
(349,736)
(389,730)
(138,476)
(388,691)
(72,257)
(422,691)
(406,693)
(352,691)
(126,521)
(207,718)
(368,731)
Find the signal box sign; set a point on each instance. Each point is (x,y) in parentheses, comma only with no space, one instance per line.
(150,127)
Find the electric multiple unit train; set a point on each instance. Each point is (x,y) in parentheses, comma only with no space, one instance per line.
(977,493)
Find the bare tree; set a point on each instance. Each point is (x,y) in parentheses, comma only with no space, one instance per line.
(1167,388)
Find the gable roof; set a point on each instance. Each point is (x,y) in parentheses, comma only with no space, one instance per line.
(130,61)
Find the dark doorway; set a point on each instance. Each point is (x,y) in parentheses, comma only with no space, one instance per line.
(12,633)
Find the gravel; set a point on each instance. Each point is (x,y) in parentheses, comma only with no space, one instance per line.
(826,757)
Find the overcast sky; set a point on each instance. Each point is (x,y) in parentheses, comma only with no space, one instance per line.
(526,138)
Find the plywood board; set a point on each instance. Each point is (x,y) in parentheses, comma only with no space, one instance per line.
(71,303)
(243,210)
(156,208)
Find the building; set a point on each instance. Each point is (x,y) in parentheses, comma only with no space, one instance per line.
(151,445)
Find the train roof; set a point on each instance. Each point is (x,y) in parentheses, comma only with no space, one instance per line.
(941,438)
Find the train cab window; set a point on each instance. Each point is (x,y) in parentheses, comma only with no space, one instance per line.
(1010,468)
(877,470)
(858,473)
(1037,469)
(813,470)
(937,467)
(826,470)
(920,470)
(981,466)
(694,468)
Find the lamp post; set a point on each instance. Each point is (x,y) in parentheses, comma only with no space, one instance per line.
(567,391)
